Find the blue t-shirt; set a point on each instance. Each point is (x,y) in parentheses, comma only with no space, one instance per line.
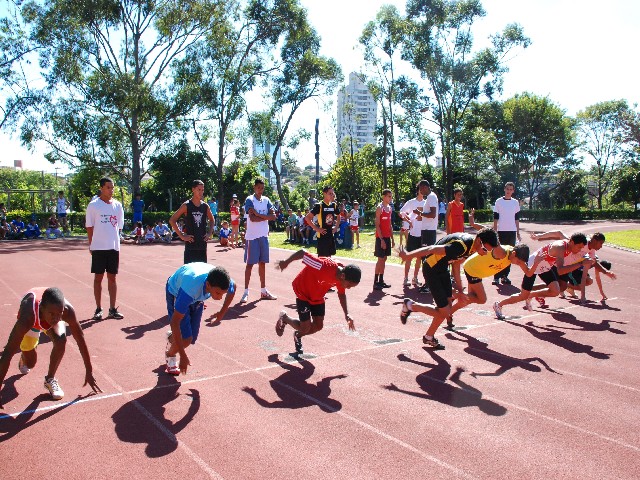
(138,205)
(187,285)
(214,207)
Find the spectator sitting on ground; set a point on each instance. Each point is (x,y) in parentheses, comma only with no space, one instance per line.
(292,222)
(6,230)
(53,229)
(162,232)
(149,235)
(225,231)
(32,230)
(174,235)
(18,227)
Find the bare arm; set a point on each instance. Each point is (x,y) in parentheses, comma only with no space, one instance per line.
(551,235)
(225,306)
(20,329)
(422,252)
(173,221)
(472,221)
(343,303)
(282,264)
(69,316)
(446,219)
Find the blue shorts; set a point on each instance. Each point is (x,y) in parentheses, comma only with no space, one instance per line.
(137,217)
(62,215)
(256,251)
(190,323)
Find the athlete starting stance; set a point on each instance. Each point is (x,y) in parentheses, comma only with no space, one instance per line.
(45,310)
(310,286)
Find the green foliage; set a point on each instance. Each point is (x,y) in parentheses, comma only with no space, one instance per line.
(28,180)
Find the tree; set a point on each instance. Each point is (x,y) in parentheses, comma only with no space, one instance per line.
(174,169)
(111,98)
(626,186)
(382,40)
(439,46)
(222,68)
(601,129)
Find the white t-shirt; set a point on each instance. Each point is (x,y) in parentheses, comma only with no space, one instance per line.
(506,210)
(353,218)
(585,252)
(430,223)
(417,222)
(262,206)
(107,219)
(61,206)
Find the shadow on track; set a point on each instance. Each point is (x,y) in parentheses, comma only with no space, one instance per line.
(456,394)
(294,390)
(143,420)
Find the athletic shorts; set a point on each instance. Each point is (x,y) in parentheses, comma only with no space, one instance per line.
(354,228)
(256,251)
(306,310)
(326,245)
(471,279)
(547,277)
(439,283)
(137,217)
(428,237)
(62,215)
(105,260)
(413,243)
(190,323)
(575,277)
(30,340)
(561,278)
(382,252)
(191,256)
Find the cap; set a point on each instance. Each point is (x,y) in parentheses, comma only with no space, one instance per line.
(234,196)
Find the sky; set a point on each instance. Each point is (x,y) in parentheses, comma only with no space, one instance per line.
(582,52)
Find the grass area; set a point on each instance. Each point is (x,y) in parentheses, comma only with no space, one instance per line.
(626,238)
(365,252)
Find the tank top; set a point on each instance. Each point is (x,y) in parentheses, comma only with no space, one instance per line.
(385,221)
(38,325)
(196,224)
(456,217)
(483,266)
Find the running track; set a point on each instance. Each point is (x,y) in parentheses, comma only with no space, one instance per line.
(552,393)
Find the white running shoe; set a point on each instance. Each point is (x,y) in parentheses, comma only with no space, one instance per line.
(406,283)
(245,297)
(498,309)
(527,305)
(172,366)
(22,367)
(267,295)
(52,385)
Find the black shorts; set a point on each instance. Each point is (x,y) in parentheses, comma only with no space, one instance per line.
(561,278)
(306,310)
(105,260)
(382,252)
(326,244)
(439,283)
(575,277)
(191,256)
(428,237)
(413,243)
(546,277)
(507,237)
(471,279)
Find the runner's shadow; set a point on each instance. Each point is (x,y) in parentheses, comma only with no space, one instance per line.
(434,384)
(373,298)
(479,349)
(12,425)
(294,390)
(603,326)
(135,332)
(142,420)
(594,305)
(558,338)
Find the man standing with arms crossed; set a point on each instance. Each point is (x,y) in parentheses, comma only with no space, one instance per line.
(104,220)
(259,211)
(506,221)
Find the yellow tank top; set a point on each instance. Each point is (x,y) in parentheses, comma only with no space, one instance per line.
(483,266)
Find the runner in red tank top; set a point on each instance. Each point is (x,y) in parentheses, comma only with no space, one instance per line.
(45,310)
(384,238)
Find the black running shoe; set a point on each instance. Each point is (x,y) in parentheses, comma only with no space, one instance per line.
(433,342)
(377,286)
(405,312)
(424,289)
(297,342)
(450,325)
(114,313)
(385,285)
(98,314)
(506,281)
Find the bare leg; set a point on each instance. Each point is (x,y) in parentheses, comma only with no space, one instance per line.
(97,288)
(261,274)
(247,275)
(59,340)
(112,286)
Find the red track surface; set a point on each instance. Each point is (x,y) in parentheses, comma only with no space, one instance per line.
(552,393)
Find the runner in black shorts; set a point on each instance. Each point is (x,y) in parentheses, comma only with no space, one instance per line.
(435,267)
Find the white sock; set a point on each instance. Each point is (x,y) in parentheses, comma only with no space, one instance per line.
(410,305)
(263,290)
(429,337)
(246,291)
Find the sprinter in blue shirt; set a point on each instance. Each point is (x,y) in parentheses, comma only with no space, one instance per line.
(186,290)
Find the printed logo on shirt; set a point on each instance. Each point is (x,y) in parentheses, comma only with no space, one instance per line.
(329,219)
(197,218)
(113,220)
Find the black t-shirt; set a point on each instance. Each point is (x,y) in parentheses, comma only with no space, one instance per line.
(195,224)
(456,246)
(327,215)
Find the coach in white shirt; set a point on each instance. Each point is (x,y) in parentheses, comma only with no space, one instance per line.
(104,221)
(506,215)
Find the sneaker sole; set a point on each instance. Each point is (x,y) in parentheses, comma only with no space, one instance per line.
(280,326)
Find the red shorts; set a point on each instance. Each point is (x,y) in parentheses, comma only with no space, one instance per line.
(354,228)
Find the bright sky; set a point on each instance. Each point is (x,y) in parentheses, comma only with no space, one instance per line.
(582,52)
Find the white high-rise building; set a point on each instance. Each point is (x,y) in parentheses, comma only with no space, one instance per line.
(260,149)
(357,114)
